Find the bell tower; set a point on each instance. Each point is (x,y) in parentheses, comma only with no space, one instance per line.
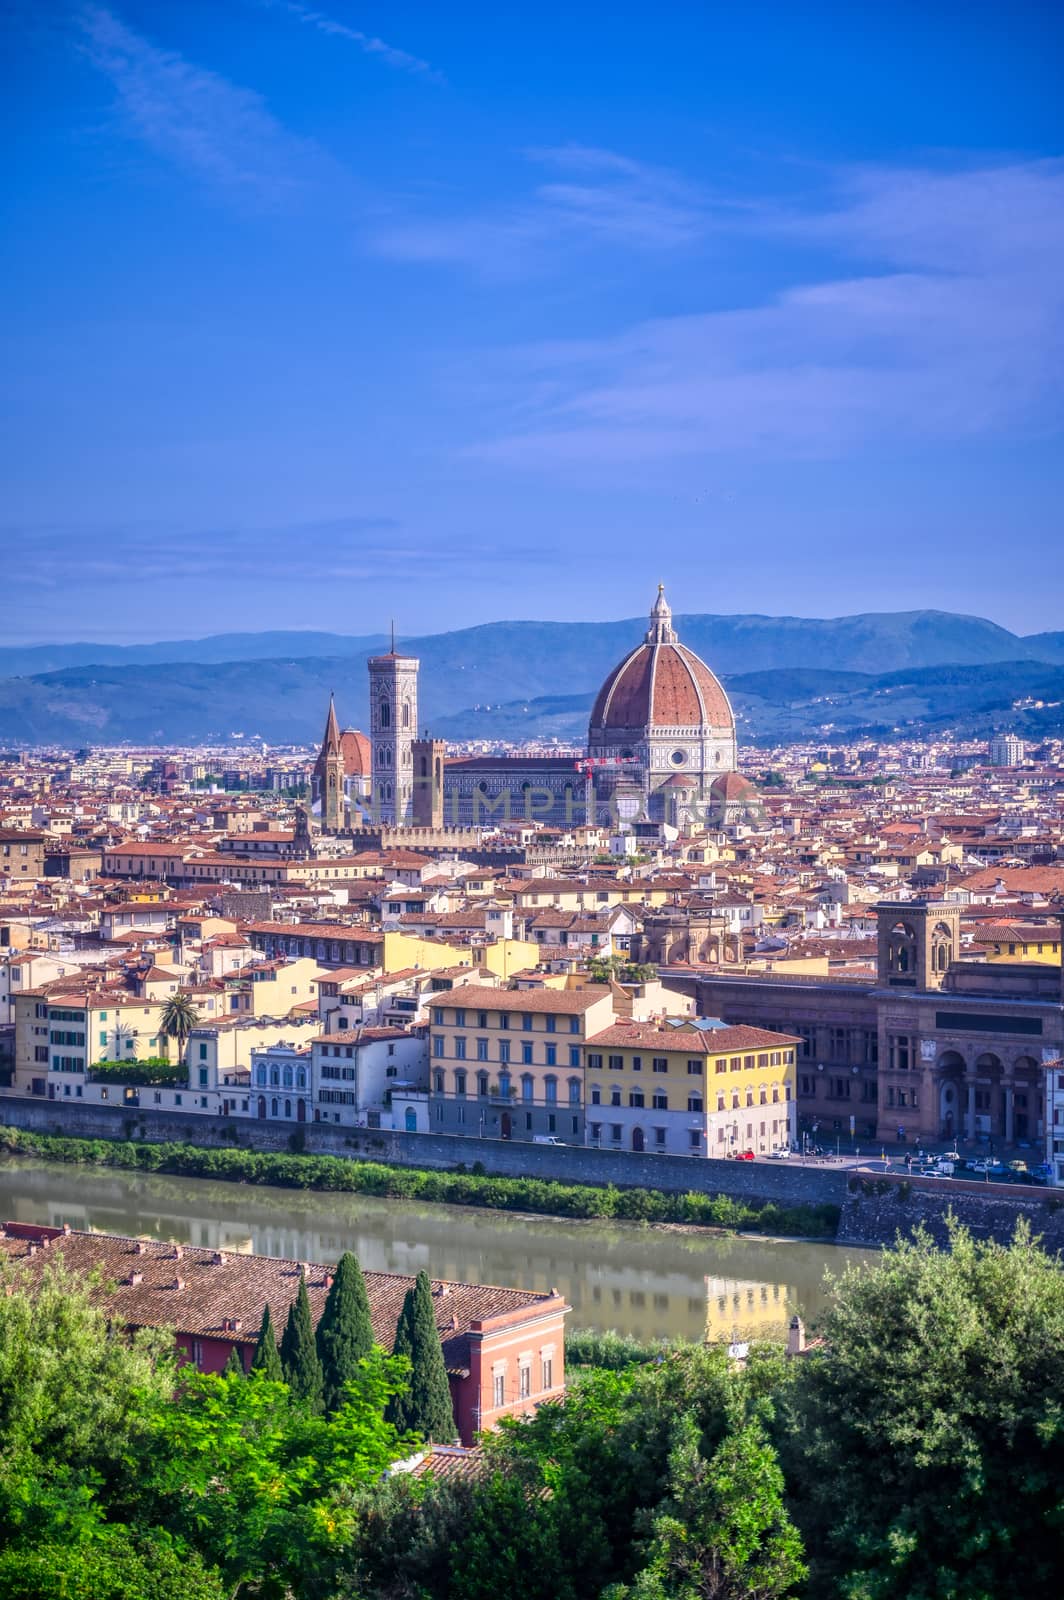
(918,939)
(392,731)
(427,808)
(331,774)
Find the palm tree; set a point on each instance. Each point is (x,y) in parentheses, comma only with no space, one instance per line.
(177,1020)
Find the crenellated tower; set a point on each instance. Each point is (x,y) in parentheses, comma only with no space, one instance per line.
(392,731)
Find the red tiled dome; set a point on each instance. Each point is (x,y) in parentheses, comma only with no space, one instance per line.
(732,786)
(661,684)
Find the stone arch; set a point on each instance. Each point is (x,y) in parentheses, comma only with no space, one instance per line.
(941,947)
(901,949)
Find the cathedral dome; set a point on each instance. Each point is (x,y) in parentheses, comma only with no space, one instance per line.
(661,684)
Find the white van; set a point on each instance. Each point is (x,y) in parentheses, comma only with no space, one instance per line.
(545,1138)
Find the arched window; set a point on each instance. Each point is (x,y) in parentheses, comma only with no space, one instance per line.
(550,1091)
(424,765)
(260,1076)
(273,1106)
(275,1078)
(406,713)
(574,1091)
(386,714)
(288,1108)
(527,1087)
(288,1077)
(301,1078)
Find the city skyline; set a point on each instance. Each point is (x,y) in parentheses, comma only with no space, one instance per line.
(316,311)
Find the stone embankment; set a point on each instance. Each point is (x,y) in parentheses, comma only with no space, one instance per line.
(782,1182)
(879,1207)
(875,1207)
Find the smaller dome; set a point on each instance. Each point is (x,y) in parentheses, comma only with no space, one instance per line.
(733,787)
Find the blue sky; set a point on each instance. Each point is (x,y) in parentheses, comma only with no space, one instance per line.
(318,315)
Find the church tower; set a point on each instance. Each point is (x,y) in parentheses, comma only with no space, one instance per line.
(392,732)
(331,766)
(427,808)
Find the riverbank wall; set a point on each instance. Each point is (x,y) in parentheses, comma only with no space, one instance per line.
(877,1208)
(783,1183)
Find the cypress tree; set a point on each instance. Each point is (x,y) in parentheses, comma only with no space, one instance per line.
(345,1333)
(266,1360)
(234,1367)
(299,1353)
(425,1407)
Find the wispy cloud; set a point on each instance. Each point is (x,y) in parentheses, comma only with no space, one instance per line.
(369,549)
(216,130)
(593,197)
(954,329)
(402,60)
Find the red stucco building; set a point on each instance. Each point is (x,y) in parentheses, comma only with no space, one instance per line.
(504,1349)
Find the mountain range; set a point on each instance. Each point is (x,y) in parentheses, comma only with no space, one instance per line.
(789,677)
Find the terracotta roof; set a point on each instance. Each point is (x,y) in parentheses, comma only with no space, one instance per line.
(564,1002)
(219,1287)
(689,1040)
(661,685)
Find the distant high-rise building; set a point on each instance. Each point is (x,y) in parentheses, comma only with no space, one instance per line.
(1006,750)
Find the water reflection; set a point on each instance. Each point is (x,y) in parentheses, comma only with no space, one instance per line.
(647,1283)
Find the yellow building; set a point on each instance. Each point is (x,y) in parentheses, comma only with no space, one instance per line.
(509,1064)
(1020,941)
(681,1087)
(503,957)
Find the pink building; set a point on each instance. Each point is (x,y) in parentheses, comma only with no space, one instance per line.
(504,1349)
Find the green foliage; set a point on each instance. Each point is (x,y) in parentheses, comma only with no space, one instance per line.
(73,1401)
(267,1359)
(118,1564)
(350,1175)
(154,1070)
(601,969)
(345,1332)
(177,1018)
(234,1367)
(722,1530)
(611,1351)
(260,1486)
(927,1444)
(299,1353)
(424,1407)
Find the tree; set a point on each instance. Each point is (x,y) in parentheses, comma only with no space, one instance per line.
(74,1403)
(345,1332)
(299,1353)
(234,1367)
(177,1019)
(928,1445)
(119,1563)
(426,1407)
(605,969)
(722,1533)
(266,1359)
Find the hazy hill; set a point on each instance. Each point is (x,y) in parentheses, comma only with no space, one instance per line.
(285,700)
(546,654)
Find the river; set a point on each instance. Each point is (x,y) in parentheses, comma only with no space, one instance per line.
(648,1283)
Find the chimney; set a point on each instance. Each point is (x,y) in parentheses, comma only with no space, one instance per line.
(178,1252)
(140,1248)
(179,1283)
(796,1336)
(66,1227)
(219,1258)
(135,1278)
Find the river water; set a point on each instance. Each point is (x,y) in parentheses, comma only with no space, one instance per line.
(646,1282)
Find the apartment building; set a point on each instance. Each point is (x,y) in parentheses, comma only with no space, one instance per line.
(690,1087)
(508,1063)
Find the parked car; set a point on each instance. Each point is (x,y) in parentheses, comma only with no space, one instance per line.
(1042,1169)
(1017,1166)
(781,1154)
(989,1165)
(744,1155)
